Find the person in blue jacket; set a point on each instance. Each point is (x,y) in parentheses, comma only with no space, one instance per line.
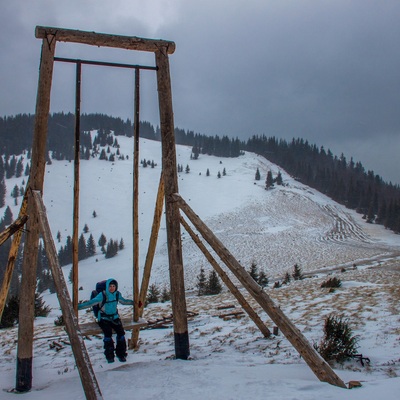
(108,319)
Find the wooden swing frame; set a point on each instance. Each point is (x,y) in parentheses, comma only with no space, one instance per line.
(37,224)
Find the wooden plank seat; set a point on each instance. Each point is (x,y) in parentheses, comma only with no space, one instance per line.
(92,328)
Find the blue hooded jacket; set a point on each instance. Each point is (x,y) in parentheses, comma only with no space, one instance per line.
(109,311)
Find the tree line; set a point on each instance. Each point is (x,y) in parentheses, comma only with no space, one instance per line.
(345,181)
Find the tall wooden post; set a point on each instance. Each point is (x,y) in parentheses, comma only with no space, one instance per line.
(178,299)
(75,234)
(136,201)
(38,163)
(149,260)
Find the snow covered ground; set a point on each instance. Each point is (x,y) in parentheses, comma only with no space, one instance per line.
(230,359)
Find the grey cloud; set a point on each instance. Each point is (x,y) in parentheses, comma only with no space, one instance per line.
(325,71)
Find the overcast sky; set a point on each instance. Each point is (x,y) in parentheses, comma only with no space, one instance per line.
(326,71)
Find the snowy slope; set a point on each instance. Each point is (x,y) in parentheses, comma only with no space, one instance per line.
(276,229)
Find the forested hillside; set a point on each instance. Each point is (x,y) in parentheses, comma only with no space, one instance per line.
(345,181)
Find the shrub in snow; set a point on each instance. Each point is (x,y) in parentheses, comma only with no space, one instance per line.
(332,283)
(339,343)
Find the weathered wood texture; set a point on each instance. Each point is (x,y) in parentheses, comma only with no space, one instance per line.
(75,233)
(224,277)
(16,230)
(13,228)
(88,378)
(317,364)
(36,179)
(136,198)
(169,164)
(92,328)
(149,258)
(106,40)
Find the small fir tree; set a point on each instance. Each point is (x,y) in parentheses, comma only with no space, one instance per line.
(286,279)
(153,294)
(339,343)
(258,176)
(253,271)
(90,246)
(82,251)
(165,295)
(201,283)
(213,284)
(102,240)
(279,180)
(269,182)
(263,280)
(297,273)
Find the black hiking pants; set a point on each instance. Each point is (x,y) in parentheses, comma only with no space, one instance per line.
(108,327)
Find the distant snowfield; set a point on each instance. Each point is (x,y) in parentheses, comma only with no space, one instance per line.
(291,224)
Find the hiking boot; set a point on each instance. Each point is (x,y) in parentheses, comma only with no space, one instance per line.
(122,359)
(110,360)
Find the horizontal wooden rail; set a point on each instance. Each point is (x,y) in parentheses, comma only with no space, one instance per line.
(92,328)
(106,40)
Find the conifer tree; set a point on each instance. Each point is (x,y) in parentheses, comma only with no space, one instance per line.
(82,251)
(208,172)
(112,248)
(279,180)
(165,295)
(27,169)
(254,271)
(297,273)
(286,279)
(213,284)
(2,193)
(90,246)
(8,216)
(15,192)
(263,280)
(269,182)
(258,176)
(19,168)
(85,229)
(153,294)
(102,240)
(201,283)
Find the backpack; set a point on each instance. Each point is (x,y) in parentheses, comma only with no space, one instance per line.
(100,288)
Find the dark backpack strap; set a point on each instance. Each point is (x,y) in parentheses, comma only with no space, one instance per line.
(104,299)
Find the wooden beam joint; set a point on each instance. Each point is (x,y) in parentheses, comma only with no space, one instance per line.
(105,40)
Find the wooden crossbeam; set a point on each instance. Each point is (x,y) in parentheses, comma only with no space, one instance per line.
(92,328)
(105,40)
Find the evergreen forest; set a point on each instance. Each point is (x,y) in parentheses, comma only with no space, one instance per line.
(345,181)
